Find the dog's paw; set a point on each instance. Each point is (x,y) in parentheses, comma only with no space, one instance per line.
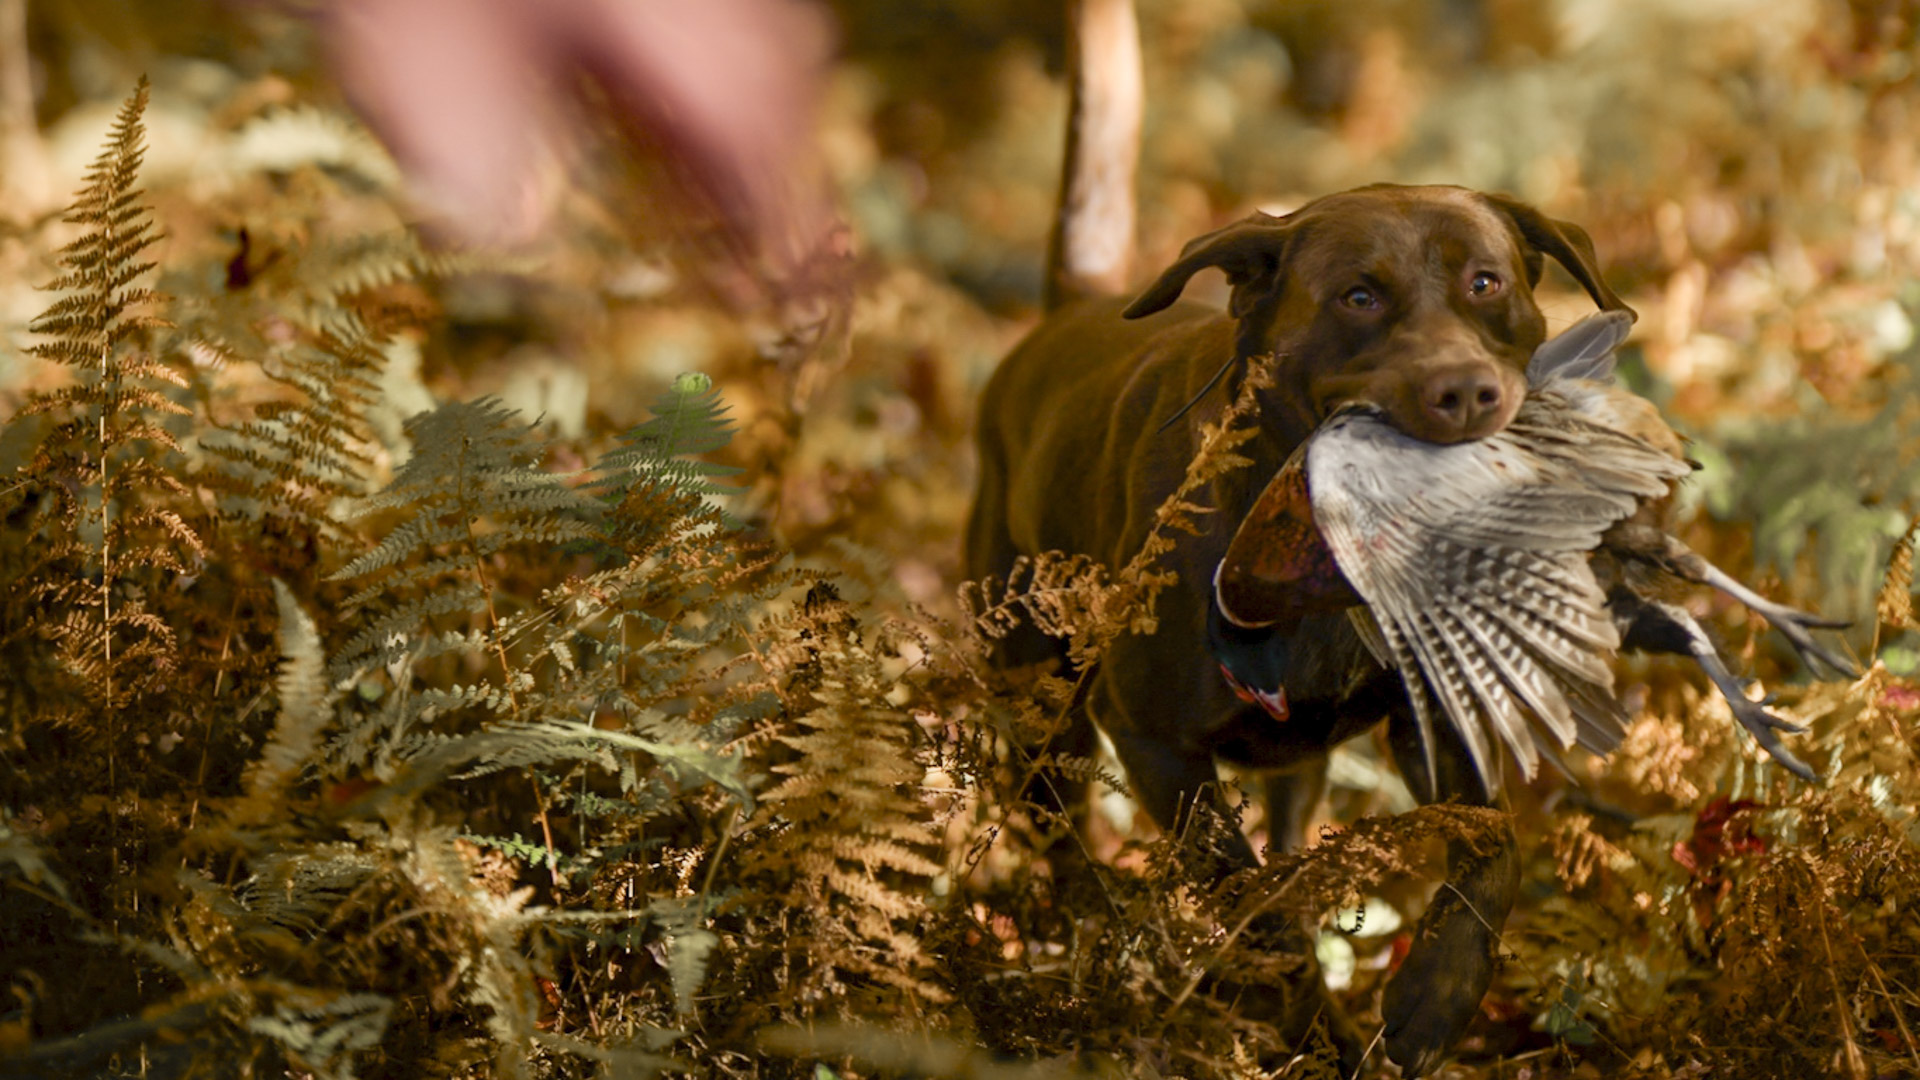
(1430,1001)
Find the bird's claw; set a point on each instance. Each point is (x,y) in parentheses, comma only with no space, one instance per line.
(1796,625)
(1751,714)
(1792,622)
(1758,713)
(1762,724)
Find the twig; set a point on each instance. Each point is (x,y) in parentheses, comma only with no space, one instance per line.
(1893,1003)
(1362,1063)
(1856,1063)
(1259,909)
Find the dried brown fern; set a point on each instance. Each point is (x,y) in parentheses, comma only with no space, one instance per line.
(844,838)
(1075,598)
(1063,596)
(108,510)
(283,480)
(1894,608)
(1754,934)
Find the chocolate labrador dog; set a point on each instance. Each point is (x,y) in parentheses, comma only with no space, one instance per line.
(1418,300)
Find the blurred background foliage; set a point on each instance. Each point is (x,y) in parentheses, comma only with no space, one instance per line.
(1749,169)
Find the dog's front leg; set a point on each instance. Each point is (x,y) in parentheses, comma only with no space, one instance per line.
(1431,999)
(1169,783)
(1149,717)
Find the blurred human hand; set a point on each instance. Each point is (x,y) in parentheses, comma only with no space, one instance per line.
(484,103)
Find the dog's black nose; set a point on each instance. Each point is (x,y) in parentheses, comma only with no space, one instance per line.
(1466,403)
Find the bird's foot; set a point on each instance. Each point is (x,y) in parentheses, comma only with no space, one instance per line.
(1754,716)
(1797,625)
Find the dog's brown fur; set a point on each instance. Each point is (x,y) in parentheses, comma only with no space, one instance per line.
(1416,299)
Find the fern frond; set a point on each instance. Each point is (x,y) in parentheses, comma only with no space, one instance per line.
(19,854)
(302,461)
(1073,597)
(510,744)
(845,827)
(103,311)
(1822,487)
(875,854)
(286,139)
(688,419)
(106,503)
(299,889)
(689,946)
(323,1031)
(1895,605)
(304,701)
(469,491)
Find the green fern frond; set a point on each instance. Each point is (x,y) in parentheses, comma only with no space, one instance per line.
(688,419)
(689,945)
(323,1031)
(1821,486)
(302,461)
(298,889)
(469,491)
(430,613)
(304,702)
(396,631)
(515,744)
(516,846)
(19,854)
(472,459)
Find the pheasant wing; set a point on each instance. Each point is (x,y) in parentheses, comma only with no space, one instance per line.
(1472,561)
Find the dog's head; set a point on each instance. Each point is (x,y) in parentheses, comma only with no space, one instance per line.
(1417,301)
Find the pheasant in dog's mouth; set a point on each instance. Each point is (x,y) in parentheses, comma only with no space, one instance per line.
(1499,576)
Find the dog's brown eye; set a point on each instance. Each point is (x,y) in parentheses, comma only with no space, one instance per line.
(1360,298)
(1484,284)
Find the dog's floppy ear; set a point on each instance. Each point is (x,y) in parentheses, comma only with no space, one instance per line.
(1251,251)
(1568,244)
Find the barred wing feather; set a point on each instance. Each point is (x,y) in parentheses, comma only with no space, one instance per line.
(1472,560)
